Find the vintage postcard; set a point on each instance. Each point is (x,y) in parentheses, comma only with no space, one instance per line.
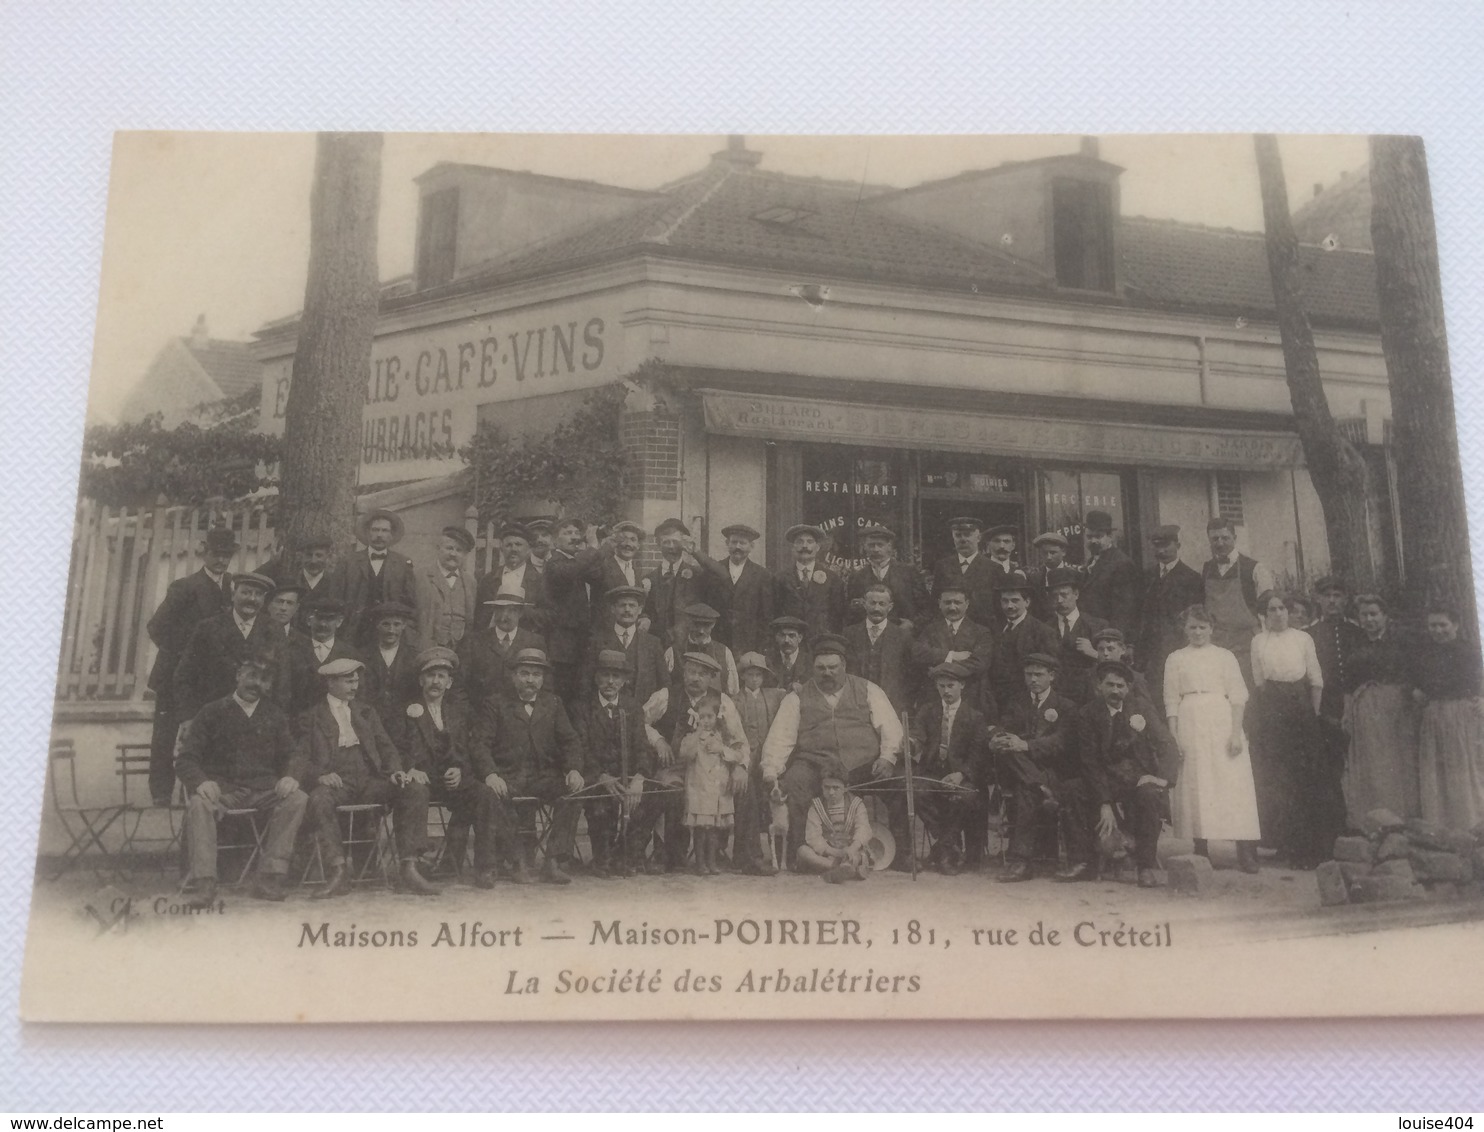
(541,578)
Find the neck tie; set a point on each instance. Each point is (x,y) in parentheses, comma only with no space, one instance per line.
(504,641)
(1065,628)
(963,565)
(612,711)
(378,555)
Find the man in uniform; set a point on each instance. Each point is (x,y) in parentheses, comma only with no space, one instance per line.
(789,661)
(1074,633)
(208,664)
(391,678)
(833,717)
(1232,583)
(488,655)
(880,648)
(1052,549)
(902,580)
(238,755)
(188,602)
(746,590)
(1336,640)
(374,575)
(445,592)
(807,589)
(308,655)
(1110,591)
(346,758)
(1170,588)
(514,574)
(643,653)
(701,620)
(968,568)
(1015,637)
(953,636)
(947,742)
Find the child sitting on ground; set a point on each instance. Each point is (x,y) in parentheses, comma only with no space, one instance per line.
(708,763)
(836,833)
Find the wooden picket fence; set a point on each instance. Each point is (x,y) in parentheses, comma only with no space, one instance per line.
(123,560)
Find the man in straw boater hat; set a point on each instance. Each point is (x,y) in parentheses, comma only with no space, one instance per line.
(207,669)
(238,754)
(948,742)
(445,591)
(833,716)
(744,590)
(1170,588)
(648,671)
(609,723)
(390,681)
(533,752)
(487,656)
(968,568)
(439,740)
(807,589)
(368,577)
(345,757)
(188,602)
(909,597)
(1111,583)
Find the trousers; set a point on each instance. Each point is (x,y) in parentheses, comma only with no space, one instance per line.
(800,783)
(162,745)
(603,825)
(551,790)
(284,816)
(408,805)
(471,805)
(1143,809)
(753,818)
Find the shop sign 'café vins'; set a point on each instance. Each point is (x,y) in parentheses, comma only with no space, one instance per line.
(1002,343)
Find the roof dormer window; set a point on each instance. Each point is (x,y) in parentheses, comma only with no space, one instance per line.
(1082,233)
(437,237)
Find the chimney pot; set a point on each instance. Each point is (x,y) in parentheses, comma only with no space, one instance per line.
(1089,147)
(199,335)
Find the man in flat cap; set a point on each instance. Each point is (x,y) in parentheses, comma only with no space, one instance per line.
(207,669)
(807,589)
(1110,590)
(1170,588)
(968,568)
(788,656)
(390,681)
(541,532)
(953,636)
(312,574)
(1074,631)
(644,655)
(902,580)
(617,755)
(487,655)
(700,620)
(535,753)
(307,655)
(948,742)
(513,574)
(1015,636)
(1039,775)
(746,590)
(373,575)
(834,716)
(571,571)
(345,757)
(1111,644)
(1051,548)
(678,581)
(238,755)
(439,740)
(881,648)
(1128,758)
(445,591)
(999,543)
(188,601)
(1232,583)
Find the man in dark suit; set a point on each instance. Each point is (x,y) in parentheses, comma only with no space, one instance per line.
(1170,588)
(909,597)
(806,588)
(514,574)
(371,576)
(312,576)
(643,652)
(1052,549)
(968,568)
(1014,637)
(880,648)
(445,592)
(1112,645)
(1074,633)
(947,741)
(208,664)
(1336,640)
(534,753)
(789,661)
(1129,759)
(614,562)
(487,655)
(346,758)
(609,723)
(1111,589)
(568,605)
(757,705)
(307,655)
(678,581)
(1038,775)
(391,680)
(954,636)
(745,590)
(188,602)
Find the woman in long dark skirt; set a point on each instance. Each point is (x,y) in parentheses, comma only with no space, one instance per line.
(1449,682)
(1380,718)
(1297,800)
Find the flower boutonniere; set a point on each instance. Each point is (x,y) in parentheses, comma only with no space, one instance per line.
(1050,715)
(686,574)
(820,578)
(414,711)
(1136,722)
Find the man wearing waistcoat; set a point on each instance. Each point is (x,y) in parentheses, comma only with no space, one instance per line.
(789,661)
(955,636)
(307,655)
(903,581)
(947,743)
(880,648)
(746,591)
(1232,583)
(390,681)
(834,716)
(700,620)
(643,652)
(445,593)
(1074,631)
(487,655)
(1052,548)
(207,669)
(371,576)
(1015,636)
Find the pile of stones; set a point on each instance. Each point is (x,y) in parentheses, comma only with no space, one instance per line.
(1401,859)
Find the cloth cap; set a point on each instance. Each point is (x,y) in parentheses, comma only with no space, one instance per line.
(798,529)
(460,536)
(1110,634)
(340,666)
(829,643)
(700,611)
(1051,537)
(628,525)
(1117,666)
(514,530)
(1064,576)
(535,658)
(876,530)
(363,525)
(327,607)
(1217,523)
(262,581)
(1002,529)
(611,660)
(704,659)
(437,657)
(788,622)
(1097,521)
(741,529)
(289,588)
(966,521)
(624,591)
(535,525)
(1168,532)
(1044,659)
(1329,584)
(671,526)
(387,609)
(949,668)
(753,660)
(219,540)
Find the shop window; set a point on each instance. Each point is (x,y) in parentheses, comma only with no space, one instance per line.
(1082,234)
(437,234)
(947,471)
(1067,496)
(846,489)
(1229,496)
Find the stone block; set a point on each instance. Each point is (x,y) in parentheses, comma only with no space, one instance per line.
(1430,864)
(1352,871)
(1396,867)
(1432,835)
(1381,821)
(1189,874)
(1352,849)
(1393,845)
(1379,889)
(1333,888)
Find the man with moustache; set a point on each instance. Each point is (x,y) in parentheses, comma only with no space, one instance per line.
(445,592)
(312,577)
(1232,583)
(1052,549)
(902,580)
(391,678)
(789,661)
(880,648)
(1110,588)
(644,655)
(568,609)
(1015,636)
(806,588)
(488,655)
(746,592)
(954,636)
(967,568)
(1170,588)
(308,655)
(1074,631)
(514,574)
(207,669)
(373,575)
(678,581)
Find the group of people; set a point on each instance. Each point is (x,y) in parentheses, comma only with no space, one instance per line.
(682,708)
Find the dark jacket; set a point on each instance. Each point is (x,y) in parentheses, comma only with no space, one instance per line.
(968,748)
(1011,646)
(1115,756)
(224,746)
(746,607)
(188,602)
(602,739)
(979,580)
(1111,591)
(207,669)
(1047,739)
(646,657)
(431,751)
(488,586)
(909,596)
(668,597)
(1075,678)
(887,664)
(1160,631)
(353,582)
(319,740)
(304,663)
(277,569)
(567,604)
(390,690)
(1041,608)
(522,749)
(484,671)
(1336,641)
(786,677)
(819,603)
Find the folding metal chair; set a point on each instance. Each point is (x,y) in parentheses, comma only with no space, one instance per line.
(365,834)
(252,827)
(132,765)
(534,822)
(84,825)
(439,817)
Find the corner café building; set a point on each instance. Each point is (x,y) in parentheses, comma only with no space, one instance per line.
(1002,343)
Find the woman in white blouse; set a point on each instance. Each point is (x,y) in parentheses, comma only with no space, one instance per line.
(1299,803)
(1205,697)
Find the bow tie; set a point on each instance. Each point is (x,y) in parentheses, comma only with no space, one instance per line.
(378,555)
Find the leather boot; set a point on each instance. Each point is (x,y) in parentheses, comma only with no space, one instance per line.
(1247,856)
(413,881)
(552,873)
(337,883)
(205,894)
(268,886)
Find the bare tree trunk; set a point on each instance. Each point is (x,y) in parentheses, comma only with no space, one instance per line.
(1336,469)
(1435,539)
(322,427)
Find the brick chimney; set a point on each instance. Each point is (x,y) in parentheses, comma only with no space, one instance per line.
(199,337)
(737,153)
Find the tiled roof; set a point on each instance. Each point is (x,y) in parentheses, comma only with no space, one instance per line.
(1341,210)
(229,364)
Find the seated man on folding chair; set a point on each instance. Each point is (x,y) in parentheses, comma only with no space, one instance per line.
(610,730)
(1040,778)
(236,754)
(533,752)
(947,743)
(439,737)
(349,759)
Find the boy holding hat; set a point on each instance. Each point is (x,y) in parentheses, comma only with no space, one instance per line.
(487,654)
(648,667)
(746,591)
(836,831)
(968,568)
(789,661)
(373,575)
(445,591)
(345,757)
(806,588)
(947,741)
(1170,588)
(207,669)
(1110,588)
(902,580)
